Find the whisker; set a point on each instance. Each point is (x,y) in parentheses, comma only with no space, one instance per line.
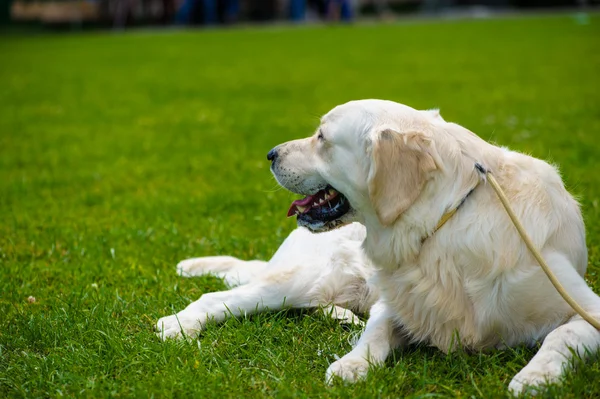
(276,187)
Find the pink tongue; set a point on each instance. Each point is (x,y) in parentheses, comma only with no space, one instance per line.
(304,201)
(301,202)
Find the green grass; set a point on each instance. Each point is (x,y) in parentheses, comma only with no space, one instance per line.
(123,154)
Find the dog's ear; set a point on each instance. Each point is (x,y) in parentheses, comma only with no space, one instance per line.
(400,165)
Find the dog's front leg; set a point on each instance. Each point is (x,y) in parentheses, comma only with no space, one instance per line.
(373,347)
(576,337)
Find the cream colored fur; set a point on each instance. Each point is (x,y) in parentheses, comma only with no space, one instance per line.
(391,193)
(472,283)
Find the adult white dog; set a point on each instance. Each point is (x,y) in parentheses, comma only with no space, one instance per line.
(449,267)
(449,264)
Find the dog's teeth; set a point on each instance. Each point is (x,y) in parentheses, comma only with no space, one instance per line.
(301,209)
(327,196)
(315,204)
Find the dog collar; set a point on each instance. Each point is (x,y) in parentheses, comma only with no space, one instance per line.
(448,215)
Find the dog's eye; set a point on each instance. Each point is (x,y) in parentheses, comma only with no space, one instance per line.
(320,136)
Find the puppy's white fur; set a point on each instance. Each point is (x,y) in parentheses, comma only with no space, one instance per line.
(328,271)
(471,283)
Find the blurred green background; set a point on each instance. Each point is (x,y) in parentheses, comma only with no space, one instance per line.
(122,154)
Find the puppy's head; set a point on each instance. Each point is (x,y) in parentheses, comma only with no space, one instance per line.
(367,159)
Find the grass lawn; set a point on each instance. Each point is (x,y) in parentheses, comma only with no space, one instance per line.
(123,154)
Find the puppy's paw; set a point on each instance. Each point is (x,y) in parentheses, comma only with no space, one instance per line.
(344,316)
(354,320)
(190,267)
(348,368)
(179,325)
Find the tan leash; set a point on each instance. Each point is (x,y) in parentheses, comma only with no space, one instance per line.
(559,287)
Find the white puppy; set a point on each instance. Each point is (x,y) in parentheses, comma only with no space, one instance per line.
(403,173)
(327,271)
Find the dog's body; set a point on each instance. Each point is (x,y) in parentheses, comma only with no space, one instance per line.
(468,282)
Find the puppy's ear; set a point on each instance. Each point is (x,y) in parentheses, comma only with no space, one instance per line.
(400,165)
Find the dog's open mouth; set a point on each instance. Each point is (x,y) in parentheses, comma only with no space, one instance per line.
(324,206)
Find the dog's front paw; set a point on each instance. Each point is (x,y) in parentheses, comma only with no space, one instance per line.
(348,368)
(179,325)
(518,387)
(532,379)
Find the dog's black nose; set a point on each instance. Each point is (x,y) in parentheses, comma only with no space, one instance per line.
(272,155)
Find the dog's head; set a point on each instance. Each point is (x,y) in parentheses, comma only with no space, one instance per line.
(368,158)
